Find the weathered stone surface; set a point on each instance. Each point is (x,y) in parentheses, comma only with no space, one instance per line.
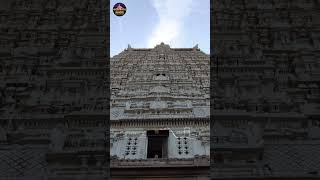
(265,89)
(161,88)
(53,90)
(162,82)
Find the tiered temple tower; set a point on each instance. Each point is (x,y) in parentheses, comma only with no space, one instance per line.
(160,112)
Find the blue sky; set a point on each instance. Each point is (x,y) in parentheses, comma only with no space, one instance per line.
(179,23)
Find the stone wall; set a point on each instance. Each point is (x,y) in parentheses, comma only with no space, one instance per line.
(53,85)
(265,87)
(131,143)
(160,82)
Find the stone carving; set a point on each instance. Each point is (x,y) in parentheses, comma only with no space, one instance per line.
(164,78)
(262,84)
(3,135)
(57,137)
(161,83)
(161,77)
(159,90)
(254,134)
(158,104)
(205,136)
(51,63)
(314,130)
(117,135)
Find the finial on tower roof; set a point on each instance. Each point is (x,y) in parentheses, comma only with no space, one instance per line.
(196,46)
(162,47)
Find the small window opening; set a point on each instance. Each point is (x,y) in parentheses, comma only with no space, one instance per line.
(157,143)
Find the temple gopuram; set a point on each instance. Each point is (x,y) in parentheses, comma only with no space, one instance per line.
(160,110)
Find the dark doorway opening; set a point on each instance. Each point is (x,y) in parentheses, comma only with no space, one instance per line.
(157,143)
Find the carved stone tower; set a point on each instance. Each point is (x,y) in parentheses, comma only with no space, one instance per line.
(160,112)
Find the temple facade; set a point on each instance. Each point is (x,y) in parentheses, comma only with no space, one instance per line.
(160,107)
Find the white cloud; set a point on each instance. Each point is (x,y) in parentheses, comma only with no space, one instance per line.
(169,28)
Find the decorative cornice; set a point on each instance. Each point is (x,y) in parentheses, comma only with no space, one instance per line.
(136,163)
(160,122)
